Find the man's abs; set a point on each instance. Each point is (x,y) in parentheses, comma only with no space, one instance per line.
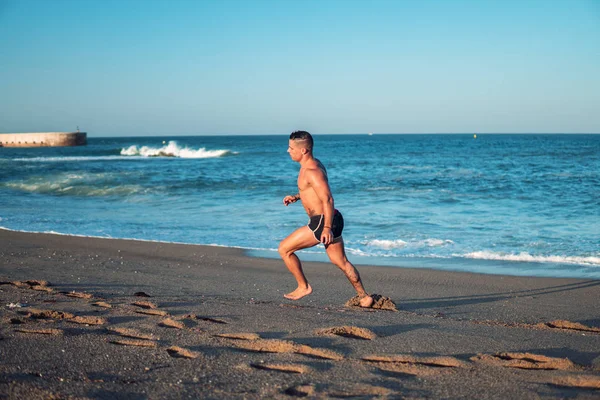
(311,203)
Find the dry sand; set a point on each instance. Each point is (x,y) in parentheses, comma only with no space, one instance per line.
(75,324)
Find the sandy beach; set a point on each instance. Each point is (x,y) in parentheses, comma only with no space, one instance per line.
(118,319)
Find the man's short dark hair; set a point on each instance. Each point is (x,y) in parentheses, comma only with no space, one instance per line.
(303,136)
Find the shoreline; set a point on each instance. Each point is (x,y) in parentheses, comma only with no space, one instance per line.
(458,318)
(432,264)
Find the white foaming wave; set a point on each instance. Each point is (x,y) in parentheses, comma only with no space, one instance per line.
(436,242)
(357,252)
(398,243)
(80,190)
(526,257)
(387,244)
(172,150)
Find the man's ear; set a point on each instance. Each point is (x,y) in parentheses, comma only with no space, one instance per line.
(304,151)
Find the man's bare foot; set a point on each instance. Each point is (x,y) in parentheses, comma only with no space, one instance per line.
(299,293)
(366,301)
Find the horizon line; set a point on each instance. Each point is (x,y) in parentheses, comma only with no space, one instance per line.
(354,133)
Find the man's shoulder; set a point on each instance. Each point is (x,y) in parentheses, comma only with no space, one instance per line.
(314,171)
(315,165)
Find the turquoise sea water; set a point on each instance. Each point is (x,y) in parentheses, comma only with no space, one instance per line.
(506,204)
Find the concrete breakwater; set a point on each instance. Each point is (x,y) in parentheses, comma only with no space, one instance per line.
(43,139)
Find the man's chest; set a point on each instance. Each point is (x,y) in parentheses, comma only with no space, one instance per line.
(302,182)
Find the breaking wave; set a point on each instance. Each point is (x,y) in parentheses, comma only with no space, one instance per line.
(526,257)
(172,149)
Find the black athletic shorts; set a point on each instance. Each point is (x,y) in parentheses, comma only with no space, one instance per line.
(316,224)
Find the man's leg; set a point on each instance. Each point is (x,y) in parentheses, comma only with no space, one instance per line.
(337,255)
(301,238)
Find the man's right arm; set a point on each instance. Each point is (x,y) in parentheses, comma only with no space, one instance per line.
(287,200)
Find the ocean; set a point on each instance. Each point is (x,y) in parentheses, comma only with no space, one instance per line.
(526,204)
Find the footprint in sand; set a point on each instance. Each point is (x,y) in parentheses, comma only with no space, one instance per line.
(62,315)
(134,342)
(239,336)
(213,320)
(28,283)
(151,311)
(41,331)
(207,319)
(87,320)
(131,333)
(45,314)
(171,323)
(33,284)
(283,346)
(357,391)
(525,361)
(577,381)
(78,295)
(145,304)
(568,325)
(102,304)
(412,365)
(439,361)
(289,368)
(301,390)
(42,289)
(352,332)
(180,352)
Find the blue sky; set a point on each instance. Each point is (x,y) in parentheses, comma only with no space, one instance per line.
(125,68)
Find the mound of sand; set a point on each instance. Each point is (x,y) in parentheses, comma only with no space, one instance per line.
(180,352)
(379,302)
(578,381)
(353,332)
(440,361)
(42,331)
(568,325)
(286,346)
(171,323)
(145,304)
(525,361)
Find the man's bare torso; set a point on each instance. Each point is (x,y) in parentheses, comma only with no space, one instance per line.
(310,201)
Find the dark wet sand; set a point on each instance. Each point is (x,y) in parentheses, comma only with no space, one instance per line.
(456,335)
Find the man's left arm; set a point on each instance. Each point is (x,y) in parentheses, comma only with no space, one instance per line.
(320,185)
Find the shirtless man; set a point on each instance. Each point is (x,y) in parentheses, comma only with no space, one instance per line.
(326,223)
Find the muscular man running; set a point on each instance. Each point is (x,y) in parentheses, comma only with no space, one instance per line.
(325,225)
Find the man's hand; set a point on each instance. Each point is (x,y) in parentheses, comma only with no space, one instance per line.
(326,236)
(287,200)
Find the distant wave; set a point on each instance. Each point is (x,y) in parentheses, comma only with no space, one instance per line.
(172,150)
(526,257)
(398,243)
(60,188)
(73,158)
(82,185)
